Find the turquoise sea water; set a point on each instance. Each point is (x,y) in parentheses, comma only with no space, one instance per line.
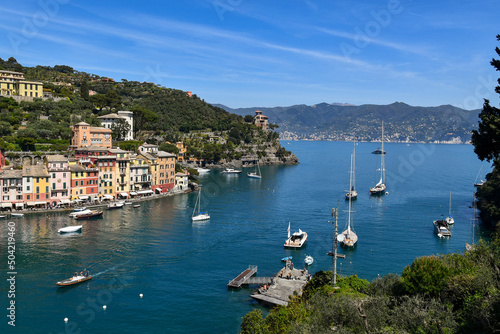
(182,268)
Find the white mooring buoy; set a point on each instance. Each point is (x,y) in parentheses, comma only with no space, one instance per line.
(104,307)
(140,295)
(65,319)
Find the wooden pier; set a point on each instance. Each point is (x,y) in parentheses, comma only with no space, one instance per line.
(243,277)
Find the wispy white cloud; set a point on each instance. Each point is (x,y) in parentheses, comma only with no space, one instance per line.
(395,46)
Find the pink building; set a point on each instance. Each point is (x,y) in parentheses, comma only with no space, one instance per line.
(60,179)
(11,182)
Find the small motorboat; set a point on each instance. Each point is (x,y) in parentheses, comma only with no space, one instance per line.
(379,151)
(128,203)
(77,213)
(18,215)
(136,205)
(69,229)
(286,258)
(231,171)
(83,208)
(2,217)
(203,170)
(115,205)
(77,278)
(88,215)
(296,240)
(309,260)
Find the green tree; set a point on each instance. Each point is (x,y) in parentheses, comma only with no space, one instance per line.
(485,140)
(84,90)
(170,148)
(119,129)
(427,275)
(486,137)
(248,119)
(142,116)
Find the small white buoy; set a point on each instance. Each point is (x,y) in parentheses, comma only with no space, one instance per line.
(141,295)
(65,319)
(387,193)
(104,307)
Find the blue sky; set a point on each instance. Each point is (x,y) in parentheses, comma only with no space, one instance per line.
(245,53)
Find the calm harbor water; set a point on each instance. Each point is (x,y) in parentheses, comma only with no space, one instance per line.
(182,268)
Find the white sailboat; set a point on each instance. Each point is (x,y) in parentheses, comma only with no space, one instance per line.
(380,187)
(450,219)
(256,174)
(480,183)
(197,215)
(352,193)
(348,238)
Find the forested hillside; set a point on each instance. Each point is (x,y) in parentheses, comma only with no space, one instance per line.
(160,114)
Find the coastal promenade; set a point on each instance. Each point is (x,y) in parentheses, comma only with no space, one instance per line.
(102,204)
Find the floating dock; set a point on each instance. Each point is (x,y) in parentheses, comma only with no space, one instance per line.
(243,277)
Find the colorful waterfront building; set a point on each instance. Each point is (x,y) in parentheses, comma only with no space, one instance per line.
(140,175)
(11,181)
(84,182)
(122,171)
(106,165)
(60,179)
(166,171)
(181,181)
(36,186)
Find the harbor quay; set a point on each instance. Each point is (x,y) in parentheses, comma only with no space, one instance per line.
(275,290)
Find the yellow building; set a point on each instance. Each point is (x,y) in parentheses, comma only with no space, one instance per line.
(13,84)
(122,171)
(107,170)
(36,182)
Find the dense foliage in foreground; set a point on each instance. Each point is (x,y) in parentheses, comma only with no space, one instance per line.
(454,293)
(485,141)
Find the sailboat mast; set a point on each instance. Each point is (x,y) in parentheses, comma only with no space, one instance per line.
(197,201)
(354,167)
(382,163)
(349,214)
(449,212)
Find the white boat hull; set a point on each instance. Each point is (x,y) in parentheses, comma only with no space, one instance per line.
(297,240)
(70,229)
(203,216)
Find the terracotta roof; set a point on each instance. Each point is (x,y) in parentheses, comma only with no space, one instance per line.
(163,154)
(57,158)
(77,168)
(35,171)
(11,174)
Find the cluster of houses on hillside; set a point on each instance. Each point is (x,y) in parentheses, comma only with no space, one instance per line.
(96,172)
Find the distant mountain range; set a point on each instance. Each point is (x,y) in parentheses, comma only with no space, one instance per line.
(345,122)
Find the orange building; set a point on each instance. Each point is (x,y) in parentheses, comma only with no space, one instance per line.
(86,135)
